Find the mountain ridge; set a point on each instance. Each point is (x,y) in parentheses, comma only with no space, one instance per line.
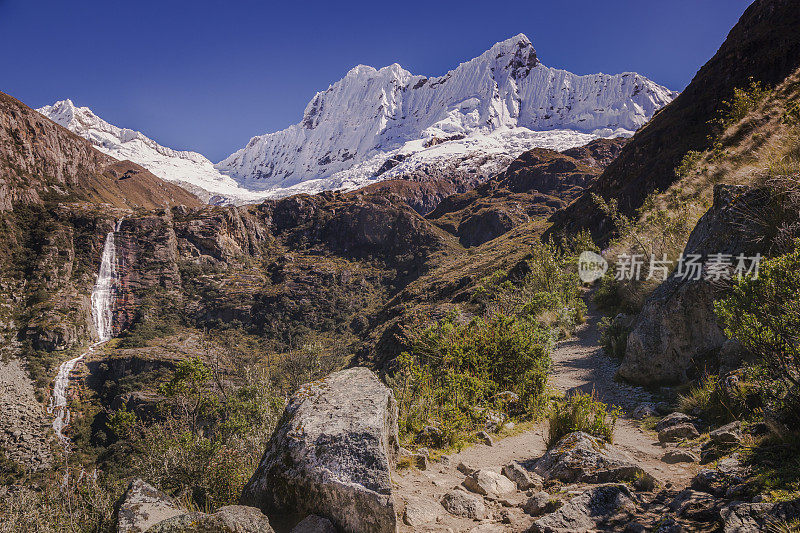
(506,87)
(387,124)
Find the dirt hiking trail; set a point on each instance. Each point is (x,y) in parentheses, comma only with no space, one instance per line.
(579,363)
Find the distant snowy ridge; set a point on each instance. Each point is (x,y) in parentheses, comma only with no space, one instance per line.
(188,169)
(371,113)
(374,125)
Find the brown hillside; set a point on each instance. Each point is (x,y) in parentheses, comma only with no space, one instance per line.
(764,45)
(40,160)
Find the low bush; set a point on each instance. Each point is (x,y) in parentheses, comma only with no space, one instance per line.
(582,412)
(720,400)
(454,369)
(763,313)
(613,337)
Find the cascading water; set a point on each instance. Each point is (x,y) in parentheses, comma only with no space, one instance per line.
(102,301)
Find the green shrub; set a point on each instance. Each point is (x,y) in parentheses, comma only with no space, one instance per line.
(613,337)
(452,370)
(582,412)
(719,402)
(763,313)
(743,101)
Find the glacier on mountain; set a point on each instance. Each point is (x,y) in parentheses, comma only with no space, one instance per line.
(191,170)
(382,124)
(373,113)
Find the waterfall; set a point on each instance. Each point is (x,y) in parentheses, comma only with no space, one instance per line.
(102,308)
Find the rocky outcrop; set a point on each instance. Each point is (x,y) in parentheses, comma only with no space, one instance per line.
(606,507)
(580,457)
(741,517)
(677,330)
(535,185)
(332,455)
(143,508)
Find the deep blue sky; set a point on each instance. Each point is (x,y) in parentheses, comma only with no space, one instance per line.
(207,76)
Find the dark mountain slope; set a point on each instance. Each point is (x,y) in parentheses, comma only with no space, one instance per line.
(535,185)
(41,161)
(764,45)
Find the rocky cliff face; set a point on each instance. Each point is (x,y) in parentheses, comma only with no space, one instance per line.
(764,45)
(535,185)
(676,335)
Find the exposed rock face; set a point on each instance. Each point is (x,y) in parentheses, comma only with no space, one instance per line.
(332,454)
(739,517)
(314,524)
(764,45)
(536,184)
(144,506)
(601,507)
(229,519)
(580,457)
(677,329)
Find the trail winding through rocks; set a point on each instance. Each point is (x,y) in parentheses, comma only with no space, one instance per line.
(579,363)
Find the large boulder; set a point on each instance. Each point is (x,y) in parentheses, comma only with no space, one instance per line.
(582,458)
(332,455)
(461,503)
(605,507)
(677,329)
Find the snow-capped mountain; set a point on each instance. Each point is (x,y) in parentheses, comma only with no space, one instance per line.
(382,124)
(351,129)
(191,170)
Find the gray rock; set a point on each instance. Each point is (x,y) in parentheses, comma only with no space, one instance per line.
(524,478)
(143,506)
(727,434)
(674,419)
(494,420)
(488,483)
(465,469)
(429,435)
(696,505)
(600,507)
(580,457)
(461,503)
(485,438)
(717,481)
(677,433)
(332,454)
(537,504)
(421,511)
(230,519)
(644,410)
(738,517)
(679,456)
(677,327)
(314,524)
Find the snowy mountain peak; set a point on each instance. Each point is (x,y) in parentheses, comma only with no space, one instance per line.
(372,113)
(190,169)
